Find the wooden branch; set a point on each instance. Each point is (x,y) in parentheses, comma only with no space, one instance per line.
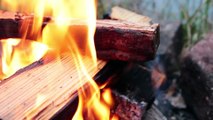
(114,39)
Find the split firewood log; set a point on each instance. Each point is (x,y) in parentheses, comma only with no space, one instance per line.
(114,39)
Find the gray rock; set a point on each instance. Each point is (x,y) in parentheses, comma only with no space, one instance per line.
(196,80)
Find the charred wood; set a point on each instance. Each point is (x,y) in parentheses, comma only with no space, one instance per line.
(126,109)
(134,92)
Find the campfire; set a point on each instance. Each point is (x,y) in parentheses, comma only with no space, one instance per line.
(56,52)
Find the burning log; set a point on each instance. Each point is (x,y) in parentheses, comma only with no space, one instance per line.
(110,72)
(132,92)
(42,89)
(114,40)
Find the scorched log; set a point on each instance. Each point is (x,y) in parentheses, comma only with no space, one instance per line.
(114,39)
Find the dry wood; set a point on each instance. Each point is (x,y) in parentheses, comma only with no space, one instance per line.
(124,14)
(39,92)
(139,20)
(114,39)
(120,40)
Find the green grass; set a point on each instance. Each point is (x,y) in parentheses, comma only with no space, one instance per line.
(196,25)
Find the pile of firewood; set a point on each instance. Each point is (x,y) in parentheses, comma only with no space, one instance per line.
(123,39)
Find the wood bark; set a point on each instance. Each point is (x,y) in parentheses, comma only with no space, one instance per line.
(114,39)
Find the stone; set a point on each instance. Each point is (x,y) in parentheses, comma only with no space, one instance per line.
(196,81)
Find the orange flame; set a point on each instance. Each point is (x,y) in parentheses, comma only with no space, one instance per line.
(16,55)
(71,30)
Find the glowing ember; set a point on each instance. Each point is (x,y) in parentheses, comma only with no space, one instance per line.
(60,36)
